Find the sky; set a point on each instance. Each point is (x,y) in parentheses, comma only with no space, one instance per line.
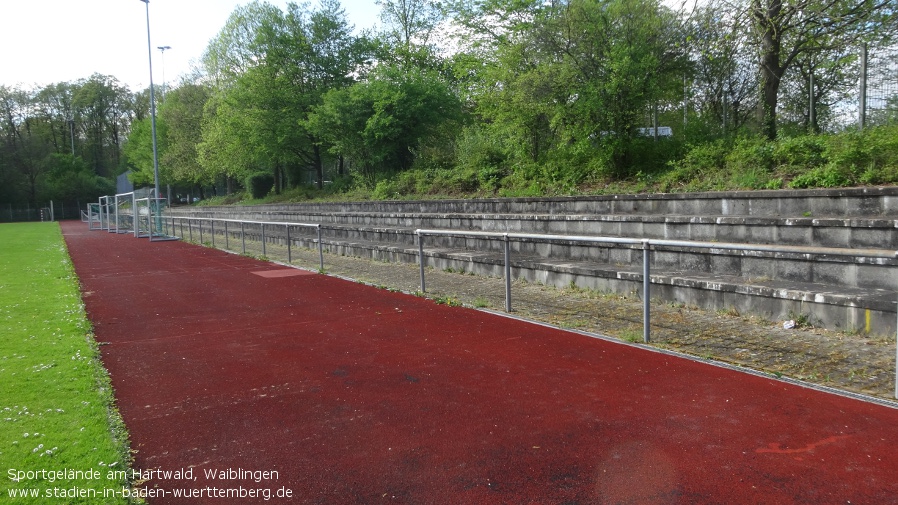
(49,41)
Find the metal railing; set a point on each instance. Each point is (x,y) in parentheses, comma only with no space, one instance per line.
(190,221)
(646,245)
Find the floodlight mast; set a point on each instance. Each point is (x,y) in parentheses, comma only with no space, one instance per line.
(152,107)
(162,50)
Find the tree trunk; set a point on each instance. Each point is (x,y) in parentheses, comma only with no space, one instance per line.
(277,179)
(767,18)
(770,83)
(319,171)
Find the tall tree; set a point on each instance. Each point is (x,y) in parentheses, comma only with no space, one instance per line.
(137,152)
(103,107)
(237,48)
(724,67)
(182,113)
(570,82)
(55,104)
(299,55)
(409,29)
(834,82)
(26,142)
(71,182)
(786,29)
(382,121)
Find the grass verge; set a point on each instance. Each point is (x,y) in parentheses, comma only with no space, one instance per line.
(61,439)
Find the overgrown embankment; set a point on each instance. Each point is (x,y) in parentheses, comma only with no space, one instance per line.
(847,159)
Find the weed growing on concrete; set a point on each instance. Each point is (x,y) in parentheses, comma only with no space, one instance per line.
(801,320)
(731,312)
(592,293)
(447,300)
(481,302)
(572,324)
(633,336)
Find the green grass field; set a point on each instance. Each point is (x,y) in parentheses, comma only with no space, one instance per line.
(61,440)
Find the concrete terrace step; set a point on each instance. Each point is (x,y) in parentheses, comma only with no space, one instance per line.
(856,202)
(835,291)
(835,307)
(845,271)
(813,232)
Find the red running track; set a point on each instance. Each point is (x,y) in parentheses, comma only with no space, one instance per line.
(354,394)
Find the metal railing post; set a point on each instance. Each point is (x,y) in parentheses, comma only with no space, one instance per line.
(190,228)
(263,240)
(227,238)
(243,237)
(646,290)
(421,260)
(320,249)
(149,220)
(289,251)
(507,275)
(212,223)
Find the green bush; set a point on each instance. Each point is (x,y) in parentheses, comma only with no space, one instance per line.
(480,154)
(854,157)
(341,184)
(652,157)
(851,151)
(750,154)
(565,168)
(259,184)
(701,163)
(749,163)
(830,175)
(402,184)
(800,152)
(882,150)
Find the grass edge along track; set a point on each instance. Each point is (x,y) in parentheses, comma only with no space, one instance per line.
(61,438)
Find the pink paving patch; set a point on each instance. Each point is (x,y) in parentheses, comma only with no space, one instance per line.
(283,272)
